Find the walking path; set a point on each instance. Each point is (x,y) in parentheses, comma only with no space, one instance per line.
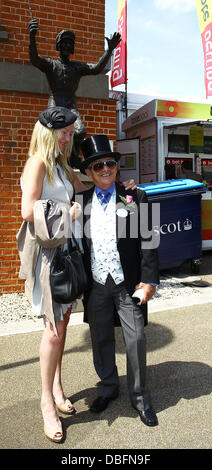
(179,376)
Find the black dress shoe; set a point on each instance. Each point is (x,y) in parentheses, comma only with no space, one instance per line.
(149,417)
(101,403)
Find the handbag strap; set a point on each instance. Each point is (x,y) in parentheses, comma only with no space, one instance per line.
(69,243)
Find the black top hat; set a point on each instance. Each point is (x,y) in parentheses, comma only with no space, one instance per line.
(95,147)
(57,117)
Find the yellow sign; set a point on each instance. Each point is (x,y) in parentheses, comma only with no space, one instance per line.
(180,109)
(196,139)
(121,6)
(204,8)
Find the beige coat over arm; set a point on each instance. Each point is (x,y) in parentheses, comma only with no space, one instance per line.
(50,228)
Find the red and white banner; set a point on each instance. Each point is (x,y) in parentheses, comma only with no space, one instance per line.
(119,67)
(204,9)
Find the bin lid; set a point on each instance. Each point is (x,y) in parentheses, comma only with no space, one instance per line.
(168,186)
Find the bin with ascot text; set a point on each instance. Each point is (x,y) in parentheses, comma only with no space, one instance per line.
(180,221)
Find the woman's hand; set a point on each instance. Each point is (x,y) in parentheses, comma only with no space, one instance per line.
(75,211)
(129,184)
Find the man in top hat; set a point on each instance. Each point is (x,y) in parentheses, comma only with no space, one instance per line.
(64,75)
(117,263)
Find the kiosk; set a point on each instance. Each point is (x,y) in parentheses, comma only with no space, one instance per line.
(160,136)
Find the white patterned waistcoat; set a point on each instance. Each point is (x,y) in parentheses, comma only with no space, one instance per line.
(105,257)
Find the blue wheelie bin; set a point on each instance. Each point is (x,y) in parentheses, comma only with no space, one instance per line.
(180,221)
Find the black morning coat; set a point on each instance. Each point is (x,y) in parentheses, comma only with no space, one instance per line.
(138,264)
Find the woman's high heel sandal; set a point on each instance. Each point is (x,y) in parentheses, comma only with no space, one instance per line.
(54,431)
(67,408)
(55,436)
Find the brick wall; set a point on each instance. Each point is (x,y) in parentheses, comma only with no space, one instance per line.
(19,110)
(85,18)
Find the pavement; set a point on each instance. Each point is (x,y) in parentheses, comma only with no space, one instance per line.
(179,375)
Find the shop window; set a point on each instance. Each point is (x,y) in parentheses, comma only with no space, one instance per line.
(208,144)
(128,161)
(178,143)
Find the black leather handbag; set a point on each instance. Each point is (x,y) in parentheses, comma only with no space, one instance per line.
(68,278)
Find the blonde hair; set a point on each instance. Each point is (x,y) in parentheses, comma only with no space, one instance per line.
(44,144)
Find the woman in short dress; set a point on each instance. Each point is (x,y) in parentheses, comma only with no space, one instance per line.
(47,176)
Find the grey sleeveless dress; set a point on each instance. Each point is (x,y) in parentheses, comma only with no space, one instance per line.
(61,191)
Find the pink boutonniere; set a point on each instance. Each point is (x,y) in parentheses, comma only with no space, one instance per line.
(128,200)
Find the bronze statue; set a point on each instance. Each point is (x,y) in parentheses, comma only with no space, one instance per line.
(63,75)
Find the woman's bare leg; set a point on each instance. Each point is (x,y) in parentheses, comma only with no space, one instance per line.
(57,383)
(50,351)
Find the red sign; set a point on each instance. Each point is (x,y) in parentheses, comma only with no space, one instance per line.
(207,162)
(175,161)
(119,68)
